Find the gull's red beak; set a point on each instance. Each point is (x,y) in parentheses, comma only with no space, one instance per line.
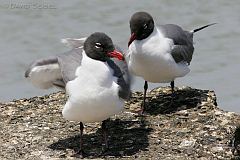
(132,38)
(116,54)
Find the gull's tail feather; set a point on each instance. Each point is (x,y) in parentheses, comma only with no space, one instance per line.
(200,28)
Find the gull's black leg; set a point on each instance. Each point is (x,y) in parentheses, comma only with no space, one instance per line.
(104,132)
(172,87)
(81,136)
(173,93)
(80,152)
(144,96)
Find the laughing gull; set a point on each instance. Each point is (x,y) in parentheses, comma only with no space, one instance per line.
(159,54)
(94,75)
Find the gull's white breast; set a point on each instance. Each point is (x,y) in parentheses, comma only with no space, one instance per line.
(151,59)
(93,94)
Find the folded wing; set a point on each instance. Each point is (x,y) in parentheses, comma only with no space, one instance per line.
(183,42)
(120,69)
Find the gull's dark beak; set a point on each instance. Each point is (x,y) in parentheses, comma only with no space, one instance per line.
(132,38)
(116,54)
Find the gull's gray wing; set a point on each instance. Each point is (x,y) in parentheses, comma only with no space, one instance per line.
(45,73)
(120,69)
(74,42)
(58,70)
(40,62)
(69,62)
(54,71)
(183,42)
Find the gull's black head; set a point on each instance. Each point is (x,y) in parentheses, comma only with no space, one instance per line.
(141,25)
(100,47)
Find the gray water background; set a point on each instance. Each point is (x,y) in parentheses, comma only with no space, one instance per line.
(34,31)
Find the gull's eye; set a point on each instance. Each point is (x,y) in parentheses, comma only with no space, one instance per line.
(98,45)
(145,26)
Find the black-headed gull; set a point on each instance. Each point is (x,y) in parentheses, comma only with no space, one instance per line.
(159,54)
(94,75)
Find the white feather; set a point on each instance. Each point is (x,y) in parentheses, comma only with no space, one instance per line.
(151,59)
(73,42)
(44,76)
(93,95)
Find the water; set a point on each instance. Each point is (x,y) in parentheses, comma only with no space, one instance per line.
(34,31)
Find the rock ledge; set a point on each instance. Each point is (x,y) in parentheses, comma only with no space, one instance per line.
(193,127)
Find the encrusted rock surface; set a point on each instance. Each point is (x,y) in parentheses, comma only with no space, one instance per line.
(191,127)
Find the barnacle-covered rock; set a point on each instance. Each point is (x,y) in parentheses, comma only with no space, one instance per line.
(189,126)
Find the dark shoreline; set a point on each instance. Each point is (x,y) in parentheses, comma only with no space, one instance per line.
(192,128)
